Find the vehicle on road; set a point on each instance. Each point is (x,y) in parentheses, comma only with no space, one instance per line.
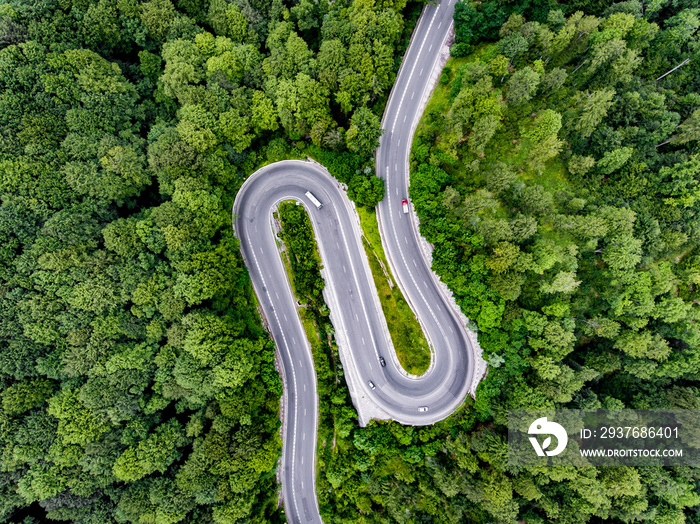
(423,408)
(313,199)
(404,203)
(382,362)
(371,384)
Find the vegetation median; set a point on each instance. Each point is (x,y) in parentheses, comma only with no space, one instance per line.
(410,344)
(337,416)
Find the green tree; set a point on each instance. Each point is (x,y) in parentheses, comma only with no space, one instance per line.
(643,345)
(536,200)
(264,116)
(689,130)
(522,86)
(367,191)
(548,123)
(544,150)
(513,45)
(157,15)
(503,257)
(563,282)
(482,132)
(580,165)
(500,177)
(364,132)
(183,66)
(158,451)
(623,252)
(235,129)
(553,80)
(76,424)
(23,396)
(614,160)
(593,109)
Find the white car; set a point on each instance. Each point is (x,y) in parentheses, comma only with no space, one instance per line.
(371,384)
(423,408)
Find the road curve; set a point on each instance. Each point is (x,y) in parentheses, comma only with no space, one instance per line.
(441,323)
(420,68)
(443,388)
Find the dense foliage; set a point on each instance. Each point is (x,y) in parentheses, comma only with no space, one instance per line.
(558,181)
(302,255)
(556,176)
(136,382)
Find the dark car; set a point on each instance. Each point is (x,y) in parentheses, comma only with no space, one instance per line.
(382,361)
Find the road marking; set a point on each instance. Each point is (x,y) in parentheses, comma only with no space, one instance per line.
(363,341)
(421,71)
(405,239)
(397,190)
(277,295)
(451,330)
(414,263)
(431,46)
(438,306)
(410,75)
(405,117)
(285,345)
(261,251)
(412,95)
(285,317)
(304,415)
(439,25)
(370,366)
(357,319)
(295,436)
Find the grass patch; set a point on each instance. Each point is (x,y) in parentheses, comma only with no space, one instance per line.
(407,336)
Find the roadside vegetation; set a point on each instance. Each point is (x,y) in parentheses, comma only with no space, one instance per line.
(407,336)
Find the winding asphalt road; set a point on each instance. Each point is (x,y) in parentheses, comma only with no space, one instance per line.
(443,388)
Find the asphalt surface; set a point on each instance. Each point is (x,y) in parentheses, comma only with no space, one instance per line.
(443,388)
(446,384)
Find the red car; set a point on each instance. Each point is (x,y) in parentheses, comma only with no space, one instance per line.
(404,203)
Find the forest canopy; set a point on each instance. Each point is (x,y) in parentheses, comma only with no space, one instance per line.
(137,383)
(555,171)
